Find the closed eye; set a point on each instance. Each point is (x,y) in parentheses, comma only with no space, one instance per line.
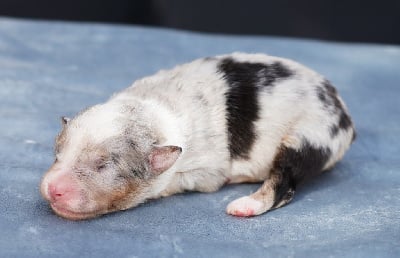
(101,163)
(101,167)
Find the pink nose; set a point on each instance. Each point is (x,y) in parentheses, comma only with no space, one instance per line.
(56,193)
(62,192)
(62,189)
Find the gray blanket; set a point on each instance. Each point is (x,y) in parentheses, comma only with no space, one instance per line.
(50,69)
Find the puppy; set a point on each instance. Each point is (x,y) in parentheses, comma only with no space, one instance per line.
(226,119)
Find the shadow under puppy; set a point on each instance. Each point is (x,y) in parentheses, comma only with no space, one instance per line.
(225,119)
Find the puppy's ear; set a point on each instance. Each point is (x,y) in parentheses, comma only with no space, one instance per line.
(65,120)
(162,158)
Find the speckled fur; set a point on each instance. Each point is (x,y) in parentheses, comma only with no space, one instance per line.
(187,107)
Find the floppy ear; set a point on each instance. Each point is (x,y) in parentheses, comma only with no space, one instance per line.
(162,158)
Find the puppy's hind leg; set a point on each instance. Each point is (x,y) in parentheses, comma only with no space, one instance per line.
(291,167)
(275,192)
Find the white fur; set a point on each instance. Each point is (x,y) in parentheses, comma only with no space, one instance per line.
(246,206)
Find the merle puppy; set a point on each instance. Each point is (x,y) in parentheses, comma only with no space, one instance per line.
(227,119)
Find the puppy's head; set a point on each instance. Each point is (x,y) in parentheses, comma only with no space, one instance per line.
(105,161)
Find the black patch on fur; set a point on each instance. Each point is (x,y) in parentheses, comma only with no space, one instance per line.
(321,95)
(274,72)
(344,121)
(292,167)
(334,130)
(245,80)
(328,95)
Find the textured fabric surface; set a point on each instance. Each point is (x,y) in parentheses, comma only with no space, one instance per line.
(52,69)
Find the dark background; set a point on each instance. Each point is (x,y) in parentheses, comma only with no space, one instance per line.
(358,21)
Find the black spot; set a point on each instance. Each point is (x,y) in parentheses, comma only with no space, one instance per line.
(276,71)
(245,80)
(328,86)
(332,93)
(330,100)
(327,94)
(344,121)
(242,105)
(293,166)
(334,130)
(322,95)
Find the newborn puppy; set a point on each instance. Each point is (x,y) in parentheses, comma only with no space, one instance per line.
(227,119)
